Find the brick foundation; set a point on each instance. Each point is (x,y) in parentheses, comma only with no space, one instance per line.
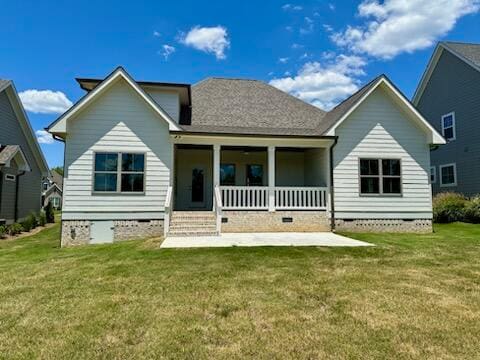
(385,225)
(134,229)
(264,221)
(77,232)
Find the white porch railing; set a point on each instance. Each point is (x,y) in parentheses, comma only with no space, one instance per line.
(168,211)
(217,207)
(285,198)
(300,198)
(244,197)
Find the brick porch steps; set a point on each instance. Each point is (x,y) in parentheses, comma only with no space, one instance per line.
(193,223)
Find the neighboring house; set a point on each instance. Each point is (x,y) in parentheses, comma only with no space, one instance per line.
(22,165)
(52,190)
(449,97)
(231,155)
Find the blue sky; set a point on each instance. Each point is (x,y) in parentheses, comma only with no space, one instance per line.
(320,51)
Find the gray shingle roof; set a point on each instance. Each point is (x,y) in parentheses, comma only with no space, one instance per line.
(6,153)
(3,83)
(249,107)
(341,109)
(469,51)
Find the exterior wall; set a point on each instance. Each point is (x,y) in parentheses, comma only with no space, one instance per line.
(241,160)
(53,194)
(379,129)
(289,168)
(185,161)
(385,225)
(118,114)
(7,195)
(29,197)
(316,167)
(168,101)
(264,221)
(77,232)
(454,86)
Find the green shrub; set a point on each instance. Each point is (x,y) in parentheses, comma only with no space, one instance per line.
(49,213)
(3,231)
(42,218)
(449,207)
(30,222)
(14,229)
(472,210)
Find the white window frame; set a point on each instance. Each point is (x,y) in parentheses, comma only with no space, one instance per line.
(10,177)
(454,127)
(433,171)
(454,174)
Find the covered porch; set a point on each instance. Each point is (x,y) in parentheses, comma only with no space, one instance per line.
(262,178)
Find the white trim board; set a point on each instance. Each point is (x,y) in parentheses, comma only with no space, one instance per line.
(59,126)
(435,138)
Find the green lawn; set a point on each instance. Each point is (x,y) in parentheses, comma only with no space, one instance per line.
(409,297)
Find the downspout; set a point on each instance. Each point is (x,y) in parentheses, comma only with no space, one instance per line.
(16,194)
(332,188)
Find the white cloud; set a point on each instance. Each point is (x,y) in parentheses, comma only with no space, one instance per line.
(331,6)
(44,137)
(297,46)
(45,101)
(309,26)
(392,27)
(156,34)
(283,60)
(324,85)
(167,50)
(292,7)
(212,40)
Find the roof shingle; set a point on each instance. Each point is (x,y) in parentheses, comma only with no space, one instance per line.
(470,52)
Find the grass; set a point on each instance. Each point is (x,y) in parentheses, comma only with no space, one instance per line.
(411,296)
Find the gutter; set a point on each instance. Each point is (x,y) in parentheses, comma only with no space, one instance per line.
(332,188)
(15,218)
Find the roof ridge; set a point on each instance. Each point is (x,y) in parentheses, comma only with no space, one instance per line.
(459,42)
(359,90)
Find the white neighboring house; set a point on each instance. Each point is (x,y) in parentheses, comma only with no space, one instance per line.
(232,155)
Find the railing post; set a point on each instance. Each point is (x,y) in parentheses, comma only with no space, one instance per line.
(271,178)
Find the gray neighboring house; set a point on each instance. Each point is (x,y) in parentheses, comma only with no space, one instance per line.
(22,165)
(236,155)
(448,96)
(52,190)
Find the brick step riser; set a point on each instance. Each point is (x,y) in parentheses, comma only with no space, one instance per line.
(178,234)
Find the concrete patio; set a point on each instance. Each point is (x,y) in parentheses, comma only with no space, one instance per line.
(263,239)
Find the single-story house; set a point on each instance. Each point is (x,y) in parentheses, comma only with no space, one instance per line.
(234,155)
(22,165)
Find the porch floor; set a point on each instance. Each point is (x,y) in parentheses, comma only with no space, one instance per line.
(262,239)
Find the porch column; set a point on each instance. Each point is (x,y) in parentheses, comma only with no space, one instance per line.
(271,178)
(216,166)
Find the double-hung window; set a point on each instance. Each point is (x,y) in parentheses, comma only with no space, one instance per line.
(448,126)
(448,174)
(380,177)
(433,175)
(119,173)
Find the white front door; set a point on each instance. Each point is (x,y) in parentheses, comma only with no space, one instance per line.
(101,232)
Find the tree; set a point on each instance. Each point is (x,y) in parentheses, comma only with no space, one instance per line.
(58,169)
